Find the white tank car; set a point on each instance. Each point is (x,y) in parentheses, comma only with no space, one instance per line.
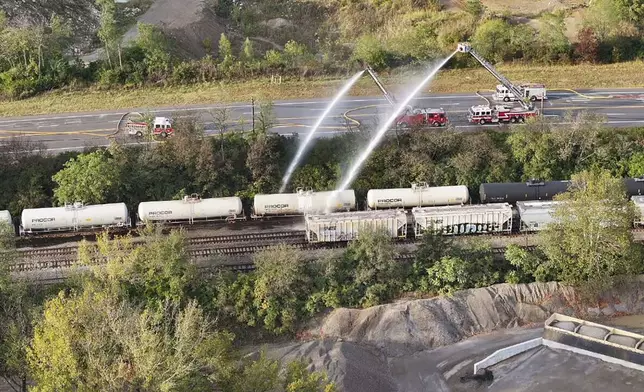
(191,209)
(639,209)
(535,215)
(74,217)
(5,216)
(303,202)
(419,195)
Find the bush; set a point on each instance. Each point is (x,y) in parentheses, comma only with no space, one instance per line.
(369,49)
(186,72)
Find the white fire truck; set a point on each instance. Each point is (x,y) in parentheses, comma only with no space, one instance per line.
(534,92)
(484,114)
(162,126)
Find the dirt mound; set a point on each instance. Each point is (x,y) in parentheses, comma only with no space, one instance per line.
(420,344)
(350,366)
(81,15)
(407,327)
(193,26)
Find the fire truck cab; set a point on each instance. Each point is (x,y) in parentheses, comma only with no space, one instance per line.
(534,92)
(420,117)
(483,114)
(162,127)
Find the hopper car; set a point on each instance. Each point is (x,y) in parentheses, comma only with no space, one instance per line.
(5,217)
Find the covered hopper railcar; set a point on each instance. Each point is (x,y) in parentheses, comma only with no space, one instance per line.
(535,215)
(5,217)
(191,209)
(74,217)
(347,226)
(513,192)
(419,195)
(303,202)
(464,219)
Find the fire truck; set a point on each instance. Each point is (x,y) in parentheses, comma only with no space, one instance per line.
(412,117)
(162,126)
(484,114)
(508,88)
(422,117)
(534,92)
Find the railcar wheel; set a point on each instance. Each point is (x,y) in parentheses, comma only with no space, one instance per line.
(506,99)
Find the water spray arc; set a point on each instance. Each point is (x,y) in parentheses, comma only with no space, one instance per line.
(309,137)
(381,132)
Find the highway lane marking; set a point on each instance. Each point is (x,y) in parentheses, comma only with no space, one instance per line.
(278,103)
(341,117)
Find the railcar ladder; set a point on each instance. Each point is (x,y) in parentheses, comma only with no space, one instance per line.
(467,48)
(390,98)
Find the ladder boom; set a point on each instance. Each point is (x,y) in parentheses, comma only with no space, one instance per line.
(467,48)
(390,98)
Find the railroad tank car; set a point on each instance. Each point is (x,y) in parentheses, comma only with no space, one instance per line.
(5,216)
(535,215)
(521,191)
(303,202)
(74,217)
(634,186)
(419,195)
(191,209)
(463,219)
(346,226)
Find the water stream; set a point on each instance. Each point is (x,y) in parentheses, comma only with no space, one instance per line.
(309,137)
(386,126)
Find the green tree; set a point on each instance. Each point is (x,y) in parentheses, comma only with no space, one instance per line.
(464,267)
(493,39)
(263,161)
(281,287)
(248,51)
(225,52)
(151,273)
(475,8)
(369,49)
(89,178)
(590,242)
(108,30)
(91,341)
(367,274)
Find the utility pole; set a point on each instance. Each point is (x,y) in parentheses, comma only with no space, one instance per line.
(252,101)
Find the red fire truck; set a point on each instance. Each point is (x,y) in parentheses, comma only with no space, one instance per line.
(484,114)
(423,117)
(162,127)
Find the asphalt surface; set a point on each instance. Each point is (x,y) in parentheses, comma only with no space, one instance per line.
(75,131)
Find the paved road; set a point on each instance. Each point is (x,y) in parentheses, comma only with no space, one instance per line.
(73,131)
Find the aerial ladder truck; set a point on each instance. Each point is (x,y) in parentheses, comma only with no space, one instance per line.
(413,116)
(482,114)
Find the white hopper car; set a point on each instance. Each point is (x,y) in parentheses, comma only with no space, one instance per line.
(419,195)
(5,217)
(465,219)
(535,215)
(302,202)
(346,226)
(639,209)
(191,209)
(74,217)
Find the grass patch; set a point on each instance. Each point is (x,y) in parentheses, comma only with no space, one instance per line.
(462,80)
